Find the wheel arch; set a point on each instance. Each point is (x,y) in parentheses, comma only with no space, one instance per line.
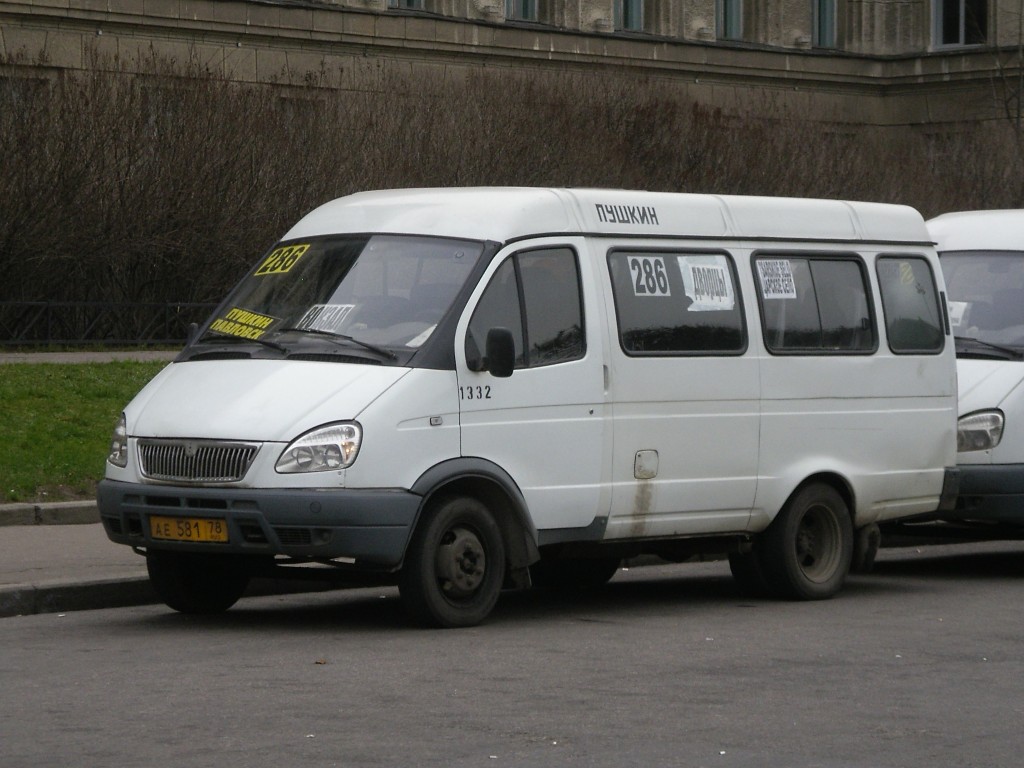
(495,488)
(838,483)
(834,480)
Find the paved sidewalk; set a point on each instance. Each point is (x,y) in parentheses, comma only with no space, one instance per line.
(52,568)
(56,558)
(84,357)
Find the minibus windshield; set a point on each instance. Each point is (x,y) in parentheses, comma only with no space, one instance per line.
(376,293)
(986,301)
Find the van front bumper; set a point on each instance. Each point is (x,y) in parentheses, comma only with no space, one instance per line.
(365,527)
(990,493)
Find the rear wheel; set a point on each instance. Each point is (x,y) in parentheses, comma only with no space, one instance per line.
(805,553)
(455,565)
(194,582)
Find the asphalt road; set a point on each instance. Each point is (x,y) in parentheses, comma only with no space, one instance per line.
(918,664)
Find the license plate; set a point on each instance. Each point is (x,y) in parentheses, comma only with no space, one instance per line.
(188,528)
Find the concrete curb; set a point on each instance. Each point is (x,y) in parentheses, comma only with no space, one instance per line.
(125,592)
(92,591)
(50,513)
(60,597)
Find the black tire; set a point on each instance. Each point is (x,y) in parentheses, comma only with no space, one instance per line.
(805,553)
(573,573)
(748,574)
(455,565)
(193,582)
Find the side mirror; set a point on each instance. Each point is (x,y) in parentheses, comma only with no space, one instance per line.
(500,353)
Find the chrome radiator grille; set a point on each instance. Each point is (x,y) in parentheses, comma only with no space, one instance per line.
(196,461)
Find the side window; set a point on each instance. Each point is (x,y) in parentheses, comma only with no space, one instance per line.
(676,303)
(913,318)
(536,295)
(498,308)
(814,304)
(554,316)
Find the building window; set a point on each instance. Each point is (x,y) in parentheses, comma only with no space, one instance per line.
(824,23)
(960,22)
(522,10)
(412,5)
(730,19)
(629,14)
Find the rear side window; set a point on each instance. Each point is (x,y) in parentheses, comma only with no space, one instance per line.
(536,295)
(913,315)
(671,303)
(814,304)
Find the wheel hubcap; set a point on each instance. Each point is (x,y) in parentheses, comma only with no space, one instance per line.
(817,544)
(461,563)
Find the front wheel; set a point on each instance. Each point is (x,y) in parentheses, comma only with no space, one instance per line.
(455,565)
(195,582)
(805,553)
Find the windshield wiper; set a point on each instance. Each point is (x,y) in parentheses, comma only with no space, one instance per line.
(206,338)
(1016,354)
(387,353)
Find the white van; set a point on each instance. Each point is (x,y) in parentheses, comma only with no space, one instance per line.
(982,257)
(470,389)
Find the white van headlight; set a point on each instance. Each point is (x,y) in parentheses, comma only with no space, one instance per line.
(979,431)
(118,455)
(325,448)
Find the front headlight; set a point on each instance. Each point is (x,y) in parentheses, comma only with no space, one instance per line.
(979,431)
(118,455)
(331,447)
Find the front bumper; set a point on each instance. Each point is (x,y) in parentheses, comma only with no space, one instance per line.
(990,493)
(365,527)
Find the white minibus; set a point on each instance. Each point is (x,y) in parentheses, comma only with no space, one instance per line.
(466,390)
(982,258)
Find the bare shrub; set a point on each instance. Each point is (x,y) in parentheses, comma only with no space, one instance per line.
(164,186)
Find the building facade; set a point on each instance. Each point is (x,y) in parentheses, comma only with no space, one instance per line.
(879,62)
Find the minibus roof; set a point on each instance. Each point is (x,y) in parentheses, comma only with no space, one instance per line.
(508,213)
(979,231)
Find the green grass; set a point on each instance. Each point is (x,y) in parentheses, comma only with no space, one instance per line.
(56,422)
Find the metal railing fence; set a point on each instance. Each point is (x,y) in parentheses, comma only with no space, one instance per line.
(91,323)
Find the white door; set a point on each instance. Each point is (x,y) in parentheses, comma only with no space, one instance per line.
(545,424)
(685,393)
